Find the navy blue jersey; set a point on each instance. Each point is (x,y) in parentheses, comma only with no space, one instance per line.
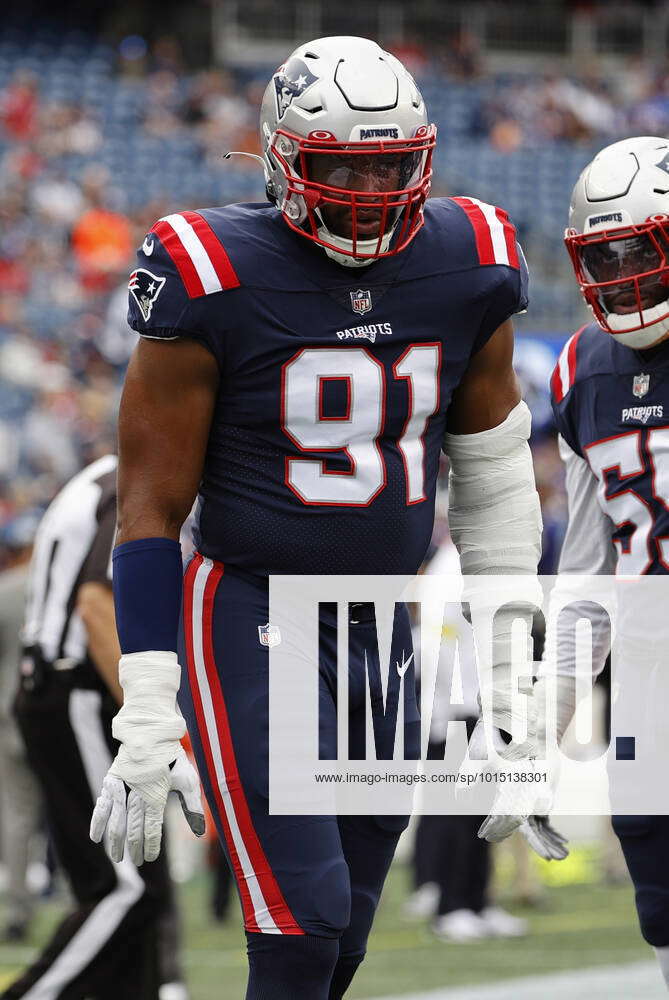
(334,381)
(609,404)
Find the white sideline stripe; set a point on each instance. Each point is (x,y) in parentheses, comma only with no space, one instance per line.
(193,246)
(263,917)
(496,231)
(610,982)
(563,367)
(84,712)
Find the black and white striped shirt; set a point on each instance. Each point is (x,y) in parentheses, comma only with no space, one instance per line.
(73,546)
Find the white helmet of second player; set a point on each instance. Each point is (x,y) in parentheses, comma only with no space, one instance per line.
(618,239)
(347,148)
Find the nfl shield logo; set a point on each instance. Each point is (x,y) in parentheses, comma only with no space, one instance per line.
(640,385)
(269,635)
(361,302)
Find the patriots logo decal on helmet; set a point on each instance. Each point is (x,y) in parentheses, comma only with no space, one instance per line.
(145,289)
(664,163)
(291,81)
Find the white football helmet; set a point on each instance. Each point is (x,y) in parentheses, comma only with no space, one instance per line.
(347,148)
(618,239)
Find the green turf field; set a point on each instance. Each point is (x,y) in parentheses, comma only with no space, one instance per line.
(578,925)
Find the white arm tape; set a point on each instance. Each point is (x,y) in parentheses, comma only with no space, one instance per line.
(149,722)
(495,522)
(494,512)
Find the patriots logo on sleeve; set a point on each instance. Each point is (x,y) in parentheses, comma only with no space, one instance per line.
(145,288)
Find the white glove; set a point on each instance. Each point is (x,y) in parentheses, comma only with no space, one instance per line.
(538,831)
(509,598)
(544,839)
(514,798)
(523,806)
(151,761)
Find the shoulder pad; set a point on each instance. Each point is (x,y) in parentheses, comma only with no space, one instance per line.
(180,260)
(564,373)
(196,252)
(494,233)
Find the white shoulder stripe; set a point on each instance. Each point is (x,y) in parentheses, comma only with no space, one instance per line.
(193,246)
(563,368)
(496,231)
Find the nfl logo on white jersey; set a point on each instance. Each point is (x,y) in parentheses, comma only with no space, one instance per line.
(361,302)
(640,385)
(269,635)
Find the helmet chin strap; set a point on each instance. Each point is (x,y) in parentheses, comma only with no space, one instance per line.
(368,246)
(344,259)
(655,327)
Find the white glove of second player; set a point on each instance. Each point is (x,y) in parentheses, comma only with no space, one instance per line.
(513,799)
(514,809)
(538,830)
(525,806)
(150,763)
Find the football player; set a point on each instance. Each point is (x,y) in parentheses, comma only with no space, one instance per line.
(302,362)
(609,390)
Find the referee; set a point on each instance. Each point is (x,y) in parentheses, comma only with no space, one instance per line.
(112,945)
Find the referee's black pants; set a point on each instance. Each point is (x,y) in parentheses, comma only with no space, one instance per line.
(448,851)
(107,947)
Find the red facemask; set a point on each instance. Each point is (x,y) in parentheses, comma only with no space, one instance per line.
(358,191)
(623,270)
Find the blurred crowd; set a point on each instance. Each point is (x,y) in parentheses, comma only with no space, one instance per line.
(523,110)
(551,108)
(73,206)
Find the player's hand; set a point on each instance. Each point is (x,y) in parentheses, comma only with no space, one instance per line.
(150,763)
(508,766)
(536,827)
(544,839)
(133,799)
(538,830)
(514,799)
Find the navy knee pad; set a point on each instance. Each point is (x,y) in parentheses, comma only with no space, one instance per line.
(652,907)
(327,898)
(286,966)
(645,844)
